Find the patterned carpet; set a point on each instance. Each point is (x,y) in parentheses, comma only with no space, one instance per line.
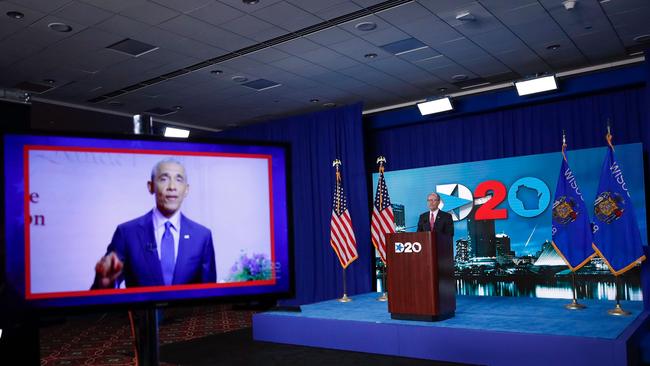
(106,339)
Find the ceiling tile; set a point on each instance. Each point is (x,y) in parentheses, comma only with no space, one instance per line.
(246,25)
(45,6)
(184,6)
(287,16)
(404,14)
(248,8)
(216,13)
(297,46)
(330,36)
(83,13)
(313,6)
(124,26)
(149,13)
(337,10)
(114,6)
(328,58)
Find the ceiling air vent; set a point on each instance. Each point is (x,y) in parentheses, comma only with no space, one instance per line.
(159,111)
(132,47)
(261,84)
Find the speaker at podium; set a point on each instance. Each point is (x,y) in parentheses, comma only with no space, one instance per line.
(421,282)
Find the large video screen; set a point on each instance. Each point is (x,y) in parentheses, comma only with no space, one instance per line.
(502,220)
(95,221)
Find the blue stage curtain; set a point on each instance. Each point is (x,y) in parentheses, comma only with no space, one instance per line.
(532,129)
(316,140)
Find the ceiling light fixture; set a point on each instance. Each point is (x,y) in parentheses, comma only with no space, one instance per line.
(15,14)
(314,100)
(435,106)
(537,85)
(370,55)
(216,72)
(642,38)
(239,79)
(250,2)
(366,26)
(465,16)
(60,27)
(177,132)
(569,4)
(553,47)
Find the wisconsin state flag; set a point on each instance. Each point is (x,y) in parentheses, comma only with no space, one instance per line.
(616,233)
(572,236)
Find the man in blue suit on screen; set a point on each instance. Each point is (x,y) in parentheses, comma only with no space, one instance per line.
(163,247)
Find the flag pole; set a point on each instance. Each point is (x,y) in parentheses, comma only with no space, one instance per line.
(336,163)
(345,297)
(384,296)
(574,305)
(618,310)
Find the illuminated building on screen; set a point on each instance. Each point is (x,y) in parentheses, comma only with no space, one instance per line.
(462,251)
(481,236)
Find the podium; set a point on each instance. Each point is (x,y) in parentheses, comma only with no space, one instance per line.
(421,282)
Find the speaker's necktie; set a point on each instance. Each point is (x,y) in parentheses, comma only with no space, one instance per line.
(167,260)
(432,221)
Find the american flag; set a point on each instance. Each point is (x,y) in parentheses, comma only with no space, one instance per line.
(382,217)
(341,234)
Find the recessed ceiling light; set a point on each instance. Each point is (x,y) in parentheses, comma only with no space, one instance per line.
(370,55)
(329,105)
(49,81)
(442,90)
(465,16)
(553,47)
(60,27)
(178,107)
(459,77)
(250,2)
(642,38)
(366,26)
(314,100)
(239,79)
(216,72)
(15,14)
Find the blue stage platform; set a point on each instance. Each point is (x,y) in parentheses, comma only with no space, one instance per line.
(485,330)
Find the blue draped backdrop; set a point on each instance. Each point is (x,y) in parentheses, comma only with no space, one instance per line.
(316,140)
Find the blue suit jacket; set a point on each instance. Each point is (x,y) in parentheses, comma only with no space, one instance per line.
(135,244)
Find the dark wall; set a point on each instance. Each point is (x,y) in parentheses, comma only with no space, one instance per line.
(14,117)
(52,117)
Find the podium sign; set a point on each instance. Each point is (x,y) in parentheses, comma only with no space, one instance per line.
(420,277)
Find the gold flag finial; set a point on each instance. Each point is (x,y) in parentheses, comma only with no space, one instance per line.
(381,161)
(608,137)
(563,144)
